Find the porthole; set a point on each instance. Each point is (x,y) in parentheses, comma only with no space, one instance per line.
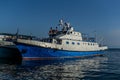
(73,43)
(78,43)
(67,42)
(88,44)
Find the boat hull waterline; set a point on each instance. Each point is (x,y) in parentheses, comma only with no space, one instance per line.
(41,53)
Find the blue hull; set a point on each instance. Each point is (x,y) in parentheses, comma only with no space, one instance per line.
(34,53)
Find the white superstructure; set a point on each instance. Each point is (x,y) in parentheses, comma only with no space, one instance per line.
(66,39)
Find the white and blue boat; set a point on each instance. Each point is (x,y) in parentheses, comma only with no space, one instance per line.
(64,43)
(9,53)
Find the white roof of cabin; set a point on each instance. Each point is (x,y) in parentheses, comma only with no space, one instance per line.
(73,36)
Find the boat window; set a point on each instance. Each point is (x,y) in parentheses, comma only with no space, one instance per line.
(83,43)
(88,44)
(55,41)
(67,42)
(78,43)
(73,43)
(59,41)
(50,40)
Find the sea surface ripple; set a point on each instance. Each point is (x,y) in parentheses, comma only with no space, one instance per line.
(106,67)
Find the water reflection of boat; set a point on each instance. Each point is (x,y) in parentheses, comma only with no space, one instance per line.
(8,51)
(81,68)
(74,69)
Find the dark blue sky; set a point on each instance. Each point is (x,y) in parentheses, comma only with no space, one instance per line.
(87,16)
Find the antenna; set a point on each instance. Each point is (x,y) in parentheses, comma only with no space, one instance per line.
(17,33)
(95,36)
(101,40)
(61,22)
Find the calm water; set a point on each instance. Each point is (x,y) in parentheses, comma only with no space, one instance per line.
(105,67)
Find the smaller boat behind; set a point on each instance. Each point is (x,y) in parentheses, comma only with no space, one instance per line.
(9,53)
(61,43)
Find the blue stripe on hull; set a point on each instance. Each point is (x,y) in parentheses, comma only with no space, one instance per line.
(39,52)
